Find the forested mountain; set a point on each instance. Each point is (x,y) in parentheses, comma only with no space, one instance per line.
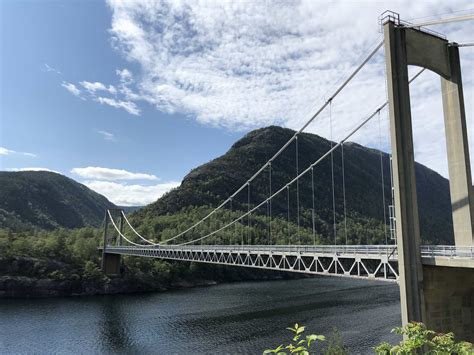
(48,200)
(68,259)
(211,183)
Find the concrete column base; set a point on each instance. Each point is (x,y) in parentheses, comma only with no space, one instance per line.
(449,300)
(111,264)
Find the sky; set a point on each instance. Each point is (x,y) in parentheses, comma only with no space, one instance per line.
(128,96)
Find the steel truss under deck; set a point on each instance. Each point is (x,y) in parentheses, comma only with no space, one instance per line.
(356,262)
(377,262)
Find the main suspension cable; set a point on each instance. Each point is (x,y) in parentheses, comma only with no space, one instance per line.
(256,207)
(134,231)
(442,20)
(286,186)
(311,119)
(121,234)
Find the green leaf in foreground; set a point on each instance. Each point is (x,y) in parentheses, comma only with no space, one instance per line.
(297,345)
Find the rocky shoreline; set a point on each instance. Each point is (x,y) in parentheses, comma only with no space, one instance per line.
(30,287)
(26,277)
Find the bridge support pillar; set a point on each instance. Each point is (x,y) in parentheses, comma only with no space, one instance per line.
(449,298)
(406,206)
(460,179)
(111,263)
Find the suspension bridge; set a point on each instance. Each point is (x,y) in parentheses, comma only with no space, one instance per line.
(436,281)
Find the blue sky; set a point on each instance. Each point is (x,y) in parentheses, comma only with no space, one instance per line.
(40,117)
(128,97)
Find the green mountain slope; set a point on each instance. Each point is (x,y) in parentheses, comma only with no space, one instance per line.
(48,200)
(211,183)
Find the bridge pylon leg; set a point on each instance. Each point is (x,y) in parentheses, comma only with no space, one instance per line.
(406,206)
(459,165)
(111,263)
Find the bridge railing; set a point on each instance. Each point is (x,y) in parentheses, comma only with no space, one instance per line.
(315,249)
(319,249)
(427,251)
(447,251)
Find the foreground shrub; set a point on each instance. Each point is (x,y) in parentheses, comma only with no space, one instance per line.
(335,346)
(299,344)
(419,339)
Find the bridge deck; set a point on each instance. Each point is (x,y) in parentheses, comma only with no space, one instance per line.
(366,261)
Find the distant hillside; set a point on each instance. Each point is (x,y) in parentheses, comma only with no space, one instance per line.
(130,209)
(211,183)
(48,200)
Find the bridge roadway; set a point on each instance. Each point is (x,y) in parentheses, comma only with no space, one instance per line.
(364,261)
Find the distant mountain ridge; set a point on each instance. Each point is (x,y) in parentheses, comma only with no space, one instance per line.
(210,183)
(48,200)
(130,209)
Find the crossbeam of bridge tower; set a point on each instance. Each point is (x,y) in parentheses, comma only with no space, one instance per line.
(409,46)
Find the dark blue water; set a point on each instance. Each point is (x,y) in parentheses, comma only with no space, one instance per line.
(240,318)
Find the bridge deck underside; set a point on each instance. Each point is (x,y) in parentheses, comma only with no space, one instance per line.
(371,266)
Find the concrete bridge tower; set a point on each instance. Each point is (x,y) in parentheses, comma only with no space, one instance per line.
(111,263)
(441,296)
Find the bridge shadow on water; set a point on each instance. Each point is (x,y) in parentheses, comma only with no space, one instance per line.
(115,335)
(264,319)
(259,318)
(293,305)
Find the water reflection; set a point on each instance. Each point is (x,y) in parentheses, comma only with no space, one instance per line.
(114,333)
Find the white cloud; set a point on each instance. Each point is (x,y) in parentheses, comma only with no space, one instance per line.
(93,88)
(243,65)
(98,173)
(128,106)
(34,169)
(71,88)
(98,86)
(131,195)
(125,76)
(50,69)
(107,136)
(5,151)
